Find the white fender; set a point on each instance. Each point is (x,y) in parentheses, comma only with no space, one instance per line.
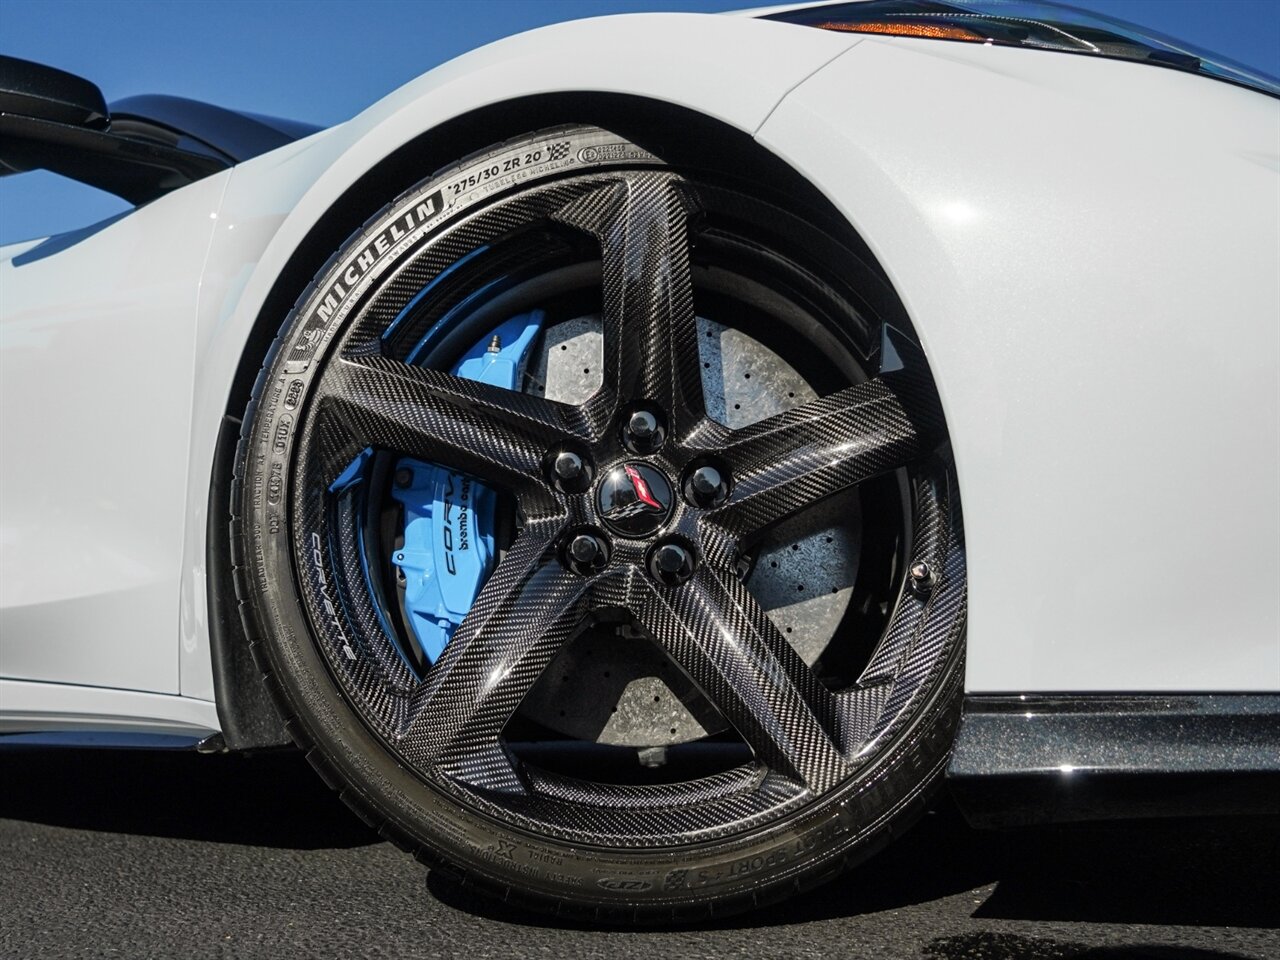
(1088,249)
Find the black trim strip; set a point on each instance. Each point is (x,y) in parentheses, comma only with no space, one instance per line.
(136,170)
(236,135)
(1049,758)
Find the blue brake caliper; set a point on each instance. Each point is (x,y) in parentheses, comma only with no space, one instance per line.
(448,550)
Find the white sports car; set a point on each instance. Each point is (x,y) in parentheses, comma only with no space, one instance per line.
(589,509)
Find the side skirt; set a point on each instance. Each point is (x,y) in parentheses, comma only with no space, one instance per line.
(55,708)
(1022,760)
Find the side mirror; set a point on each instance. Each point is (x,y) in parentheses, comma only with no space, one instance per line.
(53,120)
(43,93)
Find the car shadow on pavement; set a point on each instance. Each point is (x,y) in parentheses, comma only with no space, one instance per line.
(270,799)
(1013,946)
(1201,872)
(1185,872)
(1182,872)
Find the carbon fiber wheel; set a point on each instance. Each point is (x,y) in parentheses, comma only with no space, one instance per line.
(640,641)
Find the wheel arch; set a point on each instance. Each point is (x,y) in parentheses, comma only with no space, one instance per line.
(705,142)
(321,191)
(248,718)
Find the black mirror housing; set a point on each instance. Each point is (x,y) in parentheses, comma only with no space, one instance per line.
(56,121)
(45,93)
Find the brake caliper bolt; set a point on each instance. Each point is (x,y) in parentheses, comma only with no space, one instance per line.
(706,486)
(922,579)
(671,563)
(569,470)
(404,477)
(644,432)
(586,552)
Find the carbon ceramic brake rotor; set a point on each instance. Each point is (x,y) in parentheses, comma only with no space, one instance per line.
(612,686)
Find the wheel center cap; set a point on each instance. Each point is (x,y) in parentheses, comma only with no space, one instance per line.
(634,499)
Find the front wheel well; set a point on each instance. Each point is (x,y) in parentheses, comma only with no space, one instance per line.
(681,136)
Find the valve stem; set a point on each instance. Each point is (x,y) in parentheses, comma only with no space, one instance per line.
(922,578)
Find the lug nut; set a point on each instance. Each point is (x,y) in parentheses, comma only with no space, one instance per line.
(586,552)
(706,486)
(584,548)
(671,563)
(568,465)
(568,470)
(922,579)
(644,431)
(642,424)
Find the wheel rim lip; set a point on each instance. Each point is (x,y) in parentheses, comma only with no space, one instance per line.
(454,787)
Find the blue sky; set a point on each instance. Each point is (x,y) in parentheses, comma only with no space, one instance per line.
(325,60)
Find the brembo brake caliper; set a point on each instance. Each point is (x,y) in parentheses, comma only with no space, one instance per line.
(448,550)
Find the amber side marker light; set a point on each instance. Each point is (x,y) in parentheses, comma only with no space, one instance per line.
(933,31)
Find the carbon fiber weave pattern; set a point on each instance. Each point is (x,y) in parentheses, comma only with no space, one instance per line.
(448,725)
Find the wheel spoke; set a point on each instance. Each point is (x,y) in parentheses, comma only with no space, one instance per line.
(811,452)
(518,623)
(650,330)
(716,632)
(497,435)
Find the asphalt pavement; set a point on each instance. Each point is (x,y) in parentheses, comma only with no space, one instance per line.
(137,855)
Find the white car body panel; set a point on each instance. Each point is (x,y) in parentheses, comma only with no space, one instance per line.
(64,706)
(95,407)
(1088,249)
(1171,493)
